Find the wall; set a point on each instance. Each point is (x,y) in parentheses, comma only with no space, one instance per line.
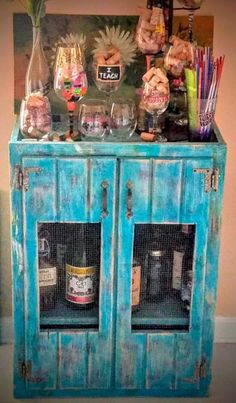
(224,43)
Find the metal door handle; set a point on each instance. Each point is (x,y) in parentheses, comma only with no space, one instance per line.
(129,211)
(104,186)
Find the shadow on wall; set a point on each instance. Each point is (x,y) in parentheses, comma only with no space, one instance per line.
(5,270)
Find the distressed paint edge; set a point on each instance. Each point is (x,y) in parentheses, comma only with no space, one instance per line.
(225,330)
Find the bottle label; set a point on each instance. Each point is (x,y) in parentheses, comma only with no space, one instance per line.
(81,284)
(136,281)
(47,276)
(177,270)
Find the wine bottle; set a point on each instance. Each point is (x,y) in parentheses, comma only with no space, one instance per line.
(81,273)
(47,273)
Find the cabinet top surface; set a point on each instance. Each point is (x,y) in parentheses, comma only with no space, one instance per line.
(133,148)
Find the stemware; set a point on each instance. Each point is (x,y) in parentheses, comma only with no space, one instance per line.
(108,78)
(93,119)
(70,80)
(155,102)
(123,119)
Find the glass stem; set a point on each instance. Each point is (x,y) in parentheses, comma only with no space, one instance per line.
(71,108)
(155,123)
(71,122)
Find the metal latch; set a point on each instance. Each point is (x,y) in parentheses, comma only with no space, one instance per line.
(211,178)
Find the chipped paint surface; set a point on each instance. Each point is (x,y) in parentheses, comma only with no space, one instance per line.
(114,360)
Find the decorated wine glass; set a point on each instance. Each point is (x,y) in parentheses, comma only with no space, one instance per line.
(114,50)
(156,96)
(70,80)
(93,119)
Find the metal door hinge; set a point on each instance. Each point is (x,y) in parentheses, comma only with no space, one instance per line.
(25,369)
(21,178)
(17,179)
(211,178)
(26,372)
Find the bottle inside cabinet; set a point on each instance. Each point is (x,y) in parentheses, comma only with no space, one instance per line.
(81,271)
(47,271)
(75,251)
(165,252)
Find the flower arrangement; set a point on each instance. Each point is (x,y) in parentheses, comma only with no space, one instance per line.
(35,9)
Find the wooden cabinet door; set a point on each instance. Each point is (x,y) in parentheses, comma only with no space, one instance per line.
(164,193)
(69,349)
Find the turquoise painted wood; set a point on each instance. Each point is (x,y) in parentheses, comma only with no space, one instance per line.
(65,185)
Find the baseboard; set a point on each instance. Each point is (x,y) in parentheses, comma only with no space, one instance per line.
(225,330)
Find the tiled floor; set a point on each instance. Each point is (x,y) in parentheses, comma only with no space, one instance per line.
(223,388)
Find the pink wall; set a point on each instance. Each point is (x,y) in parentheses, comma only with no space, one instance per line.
(224,43)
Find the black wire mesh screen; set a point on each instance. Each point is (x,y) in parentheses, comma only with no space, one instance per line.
(68,275)
(162,276)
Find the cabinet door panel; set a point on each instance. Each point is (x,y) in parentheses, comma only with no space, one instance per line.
(176,195)
(72,360)
(195,209)
(160,361)
(130,348)
(38,201)
(166,191)
(100,344)
(73,189)
(78,358)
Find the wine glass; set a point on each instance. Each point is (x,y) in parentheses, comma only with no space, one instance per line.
(123,119)
(93,119)
(155,101)
(107,78)
(70,80)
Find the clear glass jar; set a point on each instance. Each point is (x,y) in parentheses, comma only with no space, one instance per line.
(35,116)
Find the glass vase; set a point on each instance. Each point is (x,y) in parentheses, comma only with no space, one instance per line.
(35,112)
(38,75)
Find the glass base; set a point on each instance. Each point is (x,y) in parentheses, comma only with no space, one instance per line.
(160,138)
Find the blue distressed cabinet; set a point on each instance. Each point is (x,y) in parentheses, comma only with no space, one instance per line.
(132,193)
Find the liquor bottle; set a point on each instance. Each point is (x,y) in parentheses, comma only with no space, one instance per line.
(81,272)
(182,258)
(187,279)
(136,285)
(156,276)
(186,290)
(47,273)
